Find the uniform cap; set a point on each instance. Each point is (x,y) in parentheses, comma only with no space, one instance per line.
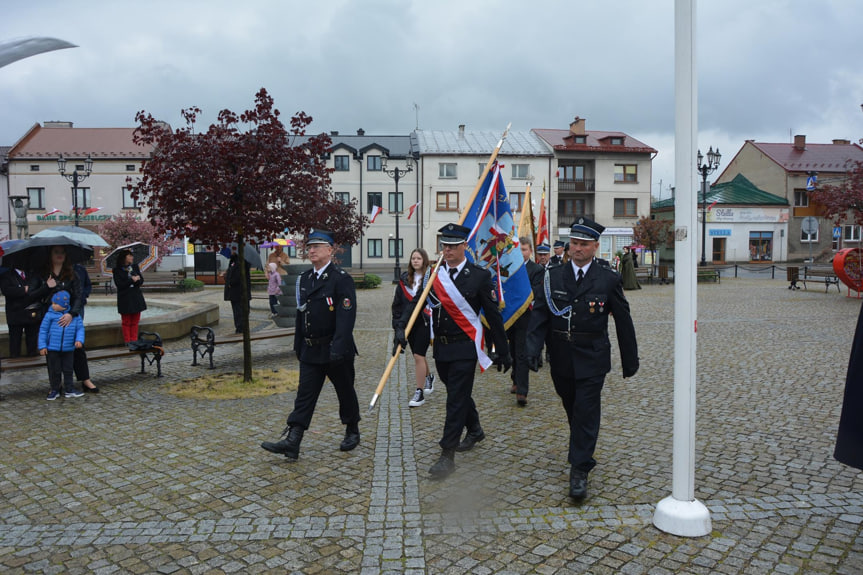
(586,229)
(453,234)
(320,237)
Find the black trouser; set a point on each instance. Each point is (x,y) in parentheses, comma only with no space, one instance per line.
(237,309)
(581,399)
(31,336)
(80,366)
(517,336)
(461,411)
(312,377)
(60,369)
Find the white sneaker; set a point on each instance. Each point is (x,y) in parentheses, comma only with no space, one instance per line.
(418,399)
(429,387)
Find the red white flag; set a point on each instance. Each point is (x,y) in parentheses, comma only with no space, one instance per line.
(374,213)
(52,212)
(89,211)
(412,209)
(542,226)
(710,207)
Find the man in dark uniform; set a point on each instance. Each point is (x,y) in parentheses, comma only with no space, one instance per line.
(517,333)
(543,252)
(557,258)
(324,344)
(571,317)
(460,291)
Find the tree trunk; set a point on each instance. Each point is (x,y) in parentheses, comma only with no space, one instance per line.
(247,342)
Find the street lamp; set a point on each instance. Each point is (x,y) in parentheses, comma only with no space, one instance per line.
(75,178)
(395,202)
(705,169)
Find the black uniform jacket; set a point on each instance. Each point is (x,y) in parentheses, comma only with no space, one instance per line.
(535,274)
(18,298)
(477,287)
(401,300)
(584,336)
(326,314)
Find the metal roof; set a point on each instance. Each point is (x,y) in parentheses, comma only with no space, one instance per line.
(481,142)
(835,157)
(739,191)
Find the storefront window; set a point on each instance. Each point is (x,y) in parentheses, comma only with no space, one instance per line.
(760,246)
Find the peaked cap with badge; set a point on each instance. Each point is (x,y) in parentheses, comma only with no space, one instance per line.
(586,229)
(453,234)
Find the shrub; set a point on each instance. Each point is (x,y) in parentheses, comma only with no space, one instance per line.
(190,284)
(370,281)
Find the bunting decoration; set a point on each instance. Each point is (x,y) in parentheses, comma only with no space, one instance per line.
(412,209)
(374,213)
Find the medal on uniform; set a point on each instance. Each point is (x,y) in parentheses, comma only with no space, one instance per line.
(592,309)
(330,303)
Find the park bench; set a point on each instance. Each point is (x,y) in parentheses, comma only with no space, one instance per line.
(204,340)
(644,274)
(150,355)
(708,274)
(157,280)
(358,277)
(820,275)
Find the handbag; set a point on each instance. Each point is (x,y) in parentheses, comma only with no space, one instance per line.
(31,314)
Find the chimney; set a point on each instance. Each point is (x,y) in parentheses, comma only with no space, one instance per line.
(800,142)
(461,131)
(56,124)
(361,132)
(577,126)
(334,133)
(839,141)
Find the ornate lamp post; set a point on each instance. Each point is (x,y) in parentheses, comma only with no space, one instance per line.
(75,178)
(705,169)
(396,206)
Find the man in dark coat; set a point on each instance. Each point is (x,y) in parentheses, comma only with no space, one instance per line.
(460,290)
(517,333)
(849,440)
(324,344)
(234,289)
(543,252)
(23,309)
(557,258)
(571,317)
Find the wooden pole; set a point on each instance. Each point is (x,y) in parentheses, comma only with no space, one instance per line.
(421,302)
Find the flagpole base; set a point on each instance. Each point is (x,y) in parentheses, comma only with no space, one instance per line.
(684,518)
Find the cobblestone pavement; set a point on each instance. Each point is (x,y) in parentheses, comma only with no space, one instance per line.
(134,480)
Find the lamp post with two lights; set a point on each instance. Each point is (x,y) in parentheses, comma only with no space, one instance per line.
(704,169)
(396,205)
(75,178)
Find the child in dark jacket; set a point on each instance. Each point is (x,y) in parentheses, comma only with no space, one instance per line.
(58,344)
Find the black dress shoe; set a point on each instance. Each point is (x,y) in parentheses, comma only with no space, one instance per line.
(521,400)
(86,389)
(289,446)
(444,466)
(577,484)
(351,440)
(471,439)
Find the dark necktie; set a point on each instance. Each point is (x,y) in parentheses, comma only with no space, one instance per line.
(579,277)
(314,278)
(452,272)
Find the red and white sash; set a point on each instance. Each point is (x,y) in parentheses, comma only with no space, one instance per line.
(462,313)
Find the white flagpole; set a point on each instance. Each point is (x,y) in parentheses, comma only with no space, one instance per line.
(682,514)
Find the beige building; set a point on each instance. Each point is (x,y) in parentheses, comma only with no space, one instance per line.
(33,172)
(783,170)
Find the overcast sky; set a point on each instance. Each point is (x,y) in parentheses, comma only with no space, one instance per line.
(767,69)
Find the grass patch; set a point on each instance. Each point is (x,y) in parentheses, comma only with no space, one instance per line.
(231,386)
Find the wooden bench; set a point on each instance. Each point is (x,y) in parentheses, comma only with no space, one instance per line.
(820,275)
(708,274)
(358,277)
(169,279)
(644,274)
(151,355)
(204,339)
(105,282)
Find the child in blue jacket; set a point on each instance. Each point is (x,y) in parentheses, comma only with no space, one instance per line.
(58,343)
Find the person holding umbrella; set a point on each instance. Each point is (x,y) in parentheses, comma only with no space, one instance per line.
(130,299)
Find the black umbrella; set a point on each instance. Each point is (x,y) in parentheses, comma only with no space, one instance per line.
(143,255)
(33,253)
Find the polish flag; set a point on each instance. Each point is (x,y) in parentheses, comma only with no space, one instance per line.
(52,212)
(374,213)
(412,209)
(710,207)
(89,211)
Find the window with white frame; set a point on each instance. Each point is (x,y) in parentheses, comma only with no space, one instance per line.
(516,201)
(520,171)
(851,233)
(129,203)
(37,198)
(375,248)
(447,170)
(809,238)
(342,163)
(801,199)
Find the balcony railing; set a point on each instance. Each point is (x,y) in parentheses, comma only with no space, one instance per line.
(566,220)
(584,185)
